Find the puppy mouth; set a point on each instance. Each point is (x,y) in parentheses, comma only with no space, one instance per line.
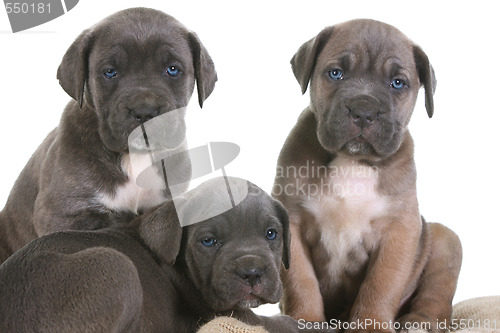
(250,301)
(359,145)
(249,296)
(360,139)
(166,132)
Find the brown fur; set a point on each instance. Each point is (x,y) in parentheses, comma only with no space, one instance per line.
(360,249)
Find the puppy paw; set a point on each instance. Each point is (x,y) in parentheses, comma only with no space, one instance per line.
(370,331)
(370,326)
(418,323)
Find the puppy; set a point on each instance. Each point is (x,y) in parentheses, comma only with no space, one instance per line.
(360,250)
(127,69)
(152,275)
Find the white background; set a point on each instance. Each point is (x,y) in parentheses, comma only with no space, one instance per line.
(257,100)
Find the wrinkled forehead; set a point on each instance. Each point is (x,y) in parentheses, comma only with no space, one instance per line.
(249,216)
(365,43)
(142,33)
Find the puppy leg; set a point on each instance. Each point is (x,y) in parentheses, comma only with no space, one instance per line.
(387,275)
(95,290)
(431,308)
(302,297)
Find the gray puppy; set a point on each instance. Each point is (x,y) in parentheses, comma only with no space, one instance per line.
(152,275)
(132,66)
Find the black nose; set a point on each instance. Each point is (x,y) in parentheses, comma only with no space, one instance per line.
(363,109)
(252,276)
(363,117)
(144,113)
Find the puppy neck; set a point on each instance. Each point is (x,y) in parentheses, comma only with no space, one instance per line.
(398,173)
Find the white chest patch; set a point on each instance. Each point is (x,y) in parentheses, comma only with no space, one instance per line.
(344,211)
(129,196)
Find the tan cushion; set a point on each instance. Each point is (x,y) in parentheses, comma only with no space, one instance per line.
(480,314)
(229,325)
(476,315)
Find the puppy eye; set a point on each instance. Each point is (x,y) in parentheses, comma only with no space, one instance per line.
(208,242)
(336,74)
(173,71)
(397,84)
(110,73)
(271,234)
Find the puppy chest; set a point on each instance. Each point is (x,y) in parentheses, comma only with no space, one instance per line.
(344,213)
(128,196)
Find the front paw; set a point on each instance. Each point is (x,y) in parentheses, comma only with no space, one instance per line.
(418,323)
(370,326)
(308,313)
(371,331)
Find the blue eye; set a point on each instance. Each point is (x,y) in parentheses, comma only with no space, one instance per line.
(336,74)
(271,234)
(209,242)
(110,73)
(397,84)
(173,71)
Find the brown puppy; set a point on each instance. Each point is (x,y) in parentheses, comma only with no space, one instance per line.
(130,67)
(360,249)
(152,275)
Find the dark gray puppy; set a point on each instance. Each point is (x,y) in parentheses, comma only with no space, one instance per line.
(152,275)
(122,72)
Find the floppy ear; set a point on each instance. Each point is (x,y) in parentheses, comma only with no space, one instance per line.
(283,217)
(73,70)
(204,69)
(304,61)
(161,232)
(426,77)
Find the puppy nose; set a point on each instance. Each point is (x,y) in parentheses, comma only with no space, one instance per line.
(144,113)
(363,117)
(252,276)
(363,109)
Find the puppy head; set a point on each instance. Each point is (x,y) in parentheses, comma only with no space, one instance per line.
(234,258)
(132,66)
(364,78)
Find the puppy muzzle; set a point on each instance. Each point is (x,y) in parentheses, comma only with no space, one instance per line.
(363,110)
